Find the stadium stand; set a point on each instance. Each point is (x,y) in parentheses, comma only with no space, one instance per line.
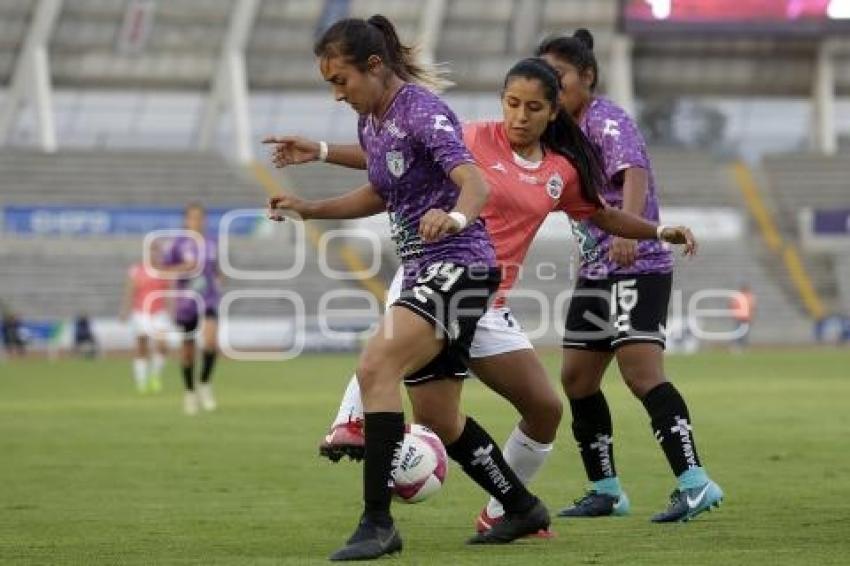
(56,277)
(478,38)
(807,181)
(127,177)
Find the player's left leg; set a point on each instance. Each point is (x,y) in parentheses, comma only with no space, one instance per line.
(140,363)
(519,377)
(208,357)
(642,368)
(436,404)
(403,343)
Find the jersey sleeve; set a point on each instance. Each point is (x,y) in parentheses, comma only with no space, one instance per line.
(436,127)
(621,142)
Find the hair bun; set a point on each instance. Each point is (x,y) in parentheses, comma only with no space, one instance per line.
(585,37)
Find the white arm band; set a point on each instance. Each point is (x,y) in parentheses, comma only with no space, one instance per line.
(323,151)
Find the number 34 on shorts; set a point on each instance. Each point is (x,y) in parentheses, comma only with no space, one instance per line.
(452,296)
(442,276)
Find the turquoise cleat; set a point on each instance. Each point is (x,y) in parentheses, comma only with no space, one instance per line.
(688,503)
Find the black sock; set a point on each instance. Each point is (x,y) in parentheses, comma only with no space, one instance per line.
(593,431)
(671,424)
(482,460)
(384,434)
(207,365)
(188,378)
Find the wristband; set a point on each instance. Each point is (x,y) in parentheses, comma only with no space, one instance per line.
(659,230)
(323,151)
(460,218)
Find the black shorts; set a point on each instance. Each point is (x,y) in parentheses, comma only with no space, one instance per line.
(190,325)
(453,298)
(608,313)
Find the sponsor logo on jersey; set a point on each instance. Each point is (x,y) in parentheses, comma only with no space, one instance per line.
(395,131)
(555,186)
(395,163)
(441,122)
(612,128)
(526,178)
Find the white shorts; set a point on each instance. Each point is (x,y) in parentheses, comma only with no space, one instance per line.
(150,324)
(498,332)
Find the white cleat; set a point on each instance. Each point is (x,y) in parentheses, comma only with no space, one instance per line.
(190,403)
(206,396)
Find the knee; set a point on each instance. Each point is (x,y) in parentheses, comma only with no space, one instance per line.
(576,382)
(367,374)
(544,416)
(641,378)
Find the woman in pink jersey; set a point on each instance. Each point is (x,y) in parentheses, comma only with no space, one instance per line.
(536,161)
(145,307)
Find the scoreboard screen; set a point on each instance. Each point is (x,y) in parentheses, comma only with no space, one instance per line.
(771,17)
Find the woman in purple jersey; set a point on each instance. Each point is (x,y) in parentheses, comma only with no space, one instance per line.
(422,174)
(194,259)
(626,283)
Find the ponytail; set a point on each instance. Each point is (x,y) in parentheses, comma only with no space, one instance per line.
(564,137)
(357,40)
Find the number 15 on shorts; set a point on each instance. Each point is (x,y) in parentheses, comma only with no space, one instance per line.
(624,298)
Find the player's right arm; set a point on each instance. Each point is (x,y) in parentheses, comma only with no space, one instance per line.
(361,202)
(294,150)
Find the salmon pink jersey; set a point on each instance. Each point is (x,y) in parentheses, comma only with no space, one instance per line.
(143,285)
(522,194)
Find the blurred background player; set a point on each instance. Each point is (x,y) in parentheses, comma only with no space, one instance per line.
(147,309)
(194,259)
(14,341)
(743,307)
(636,277)
(84,340)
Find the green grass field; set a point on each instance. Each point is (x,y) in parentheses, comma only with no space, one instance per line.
(91,473)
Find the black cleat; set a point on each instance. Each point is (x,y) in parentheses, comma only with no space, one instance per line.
(368,542)
(515,525)
(596,504)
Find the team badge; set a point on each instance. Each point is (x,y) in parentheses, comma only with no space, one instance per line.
(395,163)
(555,186)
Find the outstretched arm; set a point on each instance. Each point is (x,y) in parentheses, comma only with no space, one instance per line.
(628,225)
(362,201)
(294,150)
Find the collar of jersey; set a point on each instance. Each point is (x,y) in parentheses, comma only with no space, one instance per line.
(378,124)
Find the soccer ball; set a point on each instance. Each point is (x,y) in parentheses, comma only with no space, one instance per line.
(421,467)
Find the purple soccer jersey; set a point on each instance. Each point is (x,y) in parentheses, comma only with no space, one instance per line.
(185,249)
(410,154)
(621,146)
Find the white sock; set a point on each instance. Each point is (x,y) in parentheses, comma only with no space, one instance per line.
(157,364)
(140,371)
(525,457)
(351,407)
